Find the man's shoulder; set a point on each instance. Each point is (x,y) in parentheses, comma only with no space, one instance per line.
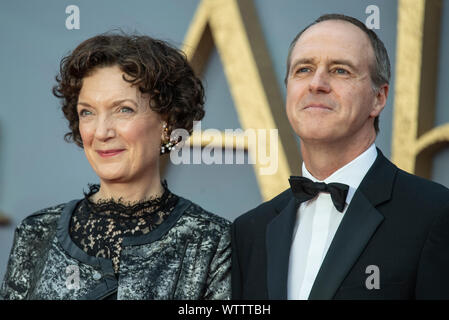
(422,189)
(410,193)
(413,179)
(405,185)
(266,210)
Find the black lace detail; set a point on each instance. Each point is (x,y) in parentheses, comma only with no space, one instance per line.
(99,228)
(120,208)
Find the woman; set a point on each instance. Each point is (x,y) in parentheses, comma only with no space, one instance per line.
(129,237)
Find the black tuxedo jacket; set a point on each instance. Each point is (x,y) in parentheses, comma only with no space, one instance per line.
(396,221)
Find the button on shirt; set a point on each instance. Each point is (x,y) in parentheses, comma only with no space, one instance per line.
(317,222)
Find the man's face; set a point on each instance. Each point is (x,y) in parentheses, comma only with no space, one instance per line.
(329,90)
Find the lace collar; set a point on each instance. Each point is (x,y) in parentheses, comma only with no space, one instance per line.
(122,209)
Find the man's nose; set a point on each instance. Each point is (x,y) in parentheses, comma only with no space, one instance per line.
(320,82)
(105,129)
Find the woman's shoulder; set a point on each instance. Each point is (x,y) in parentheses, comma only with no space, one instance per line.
(38,228)
(200,215)
(43,217)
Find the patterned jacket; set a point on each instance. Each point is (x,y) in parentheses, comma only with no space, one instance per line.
(188,256)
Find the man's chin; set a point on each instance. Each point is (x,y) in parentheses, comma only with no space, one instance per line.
(316,136)
(317,130)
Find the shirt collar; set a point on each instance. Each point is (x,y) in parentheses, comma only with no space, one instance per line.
(351,174)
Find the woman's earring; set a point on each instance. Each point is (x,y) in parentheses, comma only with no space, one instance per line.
(166,144)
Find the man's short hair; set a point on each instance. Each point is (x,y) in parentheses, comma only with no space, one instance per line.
(380,70)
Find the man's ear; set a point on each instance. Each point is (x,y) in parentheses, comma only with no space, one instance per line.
(380,100)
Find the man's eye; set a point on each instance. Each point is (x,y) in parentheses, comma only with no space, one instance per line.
(303,69)
(341,71)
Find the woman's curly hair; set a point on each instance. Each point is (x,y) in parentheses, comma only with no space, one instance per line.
(154,66)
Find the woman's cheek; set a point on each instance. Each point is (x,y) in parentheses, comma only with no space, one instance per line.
(86,134)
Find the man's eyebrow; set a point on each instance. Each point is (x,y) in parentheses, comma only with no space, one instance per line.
(302,61)
(115,103)
(344,62)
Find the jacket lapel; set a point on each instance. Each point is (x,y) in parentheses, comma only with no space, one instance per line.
(357,227)
(278,243)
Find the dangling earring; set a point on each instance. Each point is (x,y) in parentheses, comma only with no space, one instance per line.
(167,145)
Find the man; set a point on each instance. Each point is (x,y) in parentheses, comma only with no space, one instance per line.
(358,227)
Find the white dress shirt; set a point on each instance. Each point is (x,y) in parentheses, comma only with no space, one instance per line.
(316,223)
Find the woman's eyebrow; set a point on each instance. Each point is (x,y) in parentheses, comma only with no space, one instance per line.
(115,103)
(84,104)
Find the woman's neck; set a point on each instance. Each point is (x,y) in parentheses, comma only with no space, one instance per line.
(129,192)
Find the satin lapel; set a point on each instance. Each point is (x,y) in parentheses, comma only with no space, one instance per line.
(357,227)
(278,243)
(360,222)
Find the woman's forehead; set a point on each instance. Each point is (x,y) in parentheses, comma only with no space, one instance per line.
(108,84)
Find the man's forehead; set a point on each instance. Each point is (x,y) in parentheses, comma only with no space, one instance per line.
(334,38)
(343,30)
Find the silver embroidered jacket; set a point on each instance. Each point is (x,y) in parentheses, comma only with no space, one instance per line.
(188,256)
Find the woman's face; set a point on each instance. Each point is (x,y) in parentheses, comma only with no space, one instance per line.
(121,134)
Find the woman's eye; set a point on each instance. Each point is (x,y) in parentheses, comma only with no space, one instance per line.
(126,110)
(84,113)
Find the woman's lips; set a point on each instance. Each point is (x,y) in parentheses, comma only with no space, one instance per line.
(109,153)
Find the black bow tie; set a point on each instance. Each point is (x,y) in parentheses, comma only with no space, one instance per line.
(305,189)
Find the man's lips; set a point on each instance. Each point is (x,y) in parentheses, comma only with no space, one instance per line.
(317,106)
(109,153)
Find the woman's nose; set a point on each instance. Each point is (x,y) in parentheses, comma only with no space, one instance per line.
(105,128)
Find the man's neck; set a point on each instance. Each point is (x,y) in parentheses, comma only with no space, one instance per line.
(322,160)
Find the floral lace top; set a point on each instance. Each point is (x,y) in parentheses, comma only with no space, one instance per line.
(99,228)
